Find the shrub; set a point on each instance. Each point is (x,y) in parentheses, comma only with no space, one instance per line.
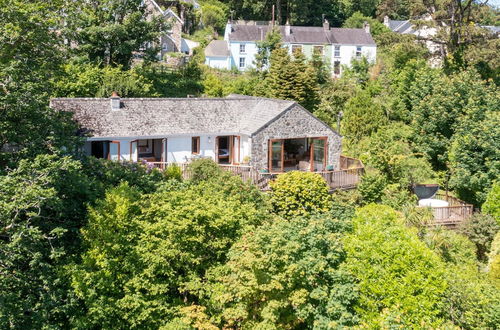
(492,204)
(396,272)
(286,274)
(494,258)
(300,193)
(108,174)
(451,247)
(203,169)
(173,172)
(372,187)
(471,301)
(480,229)
(397,197)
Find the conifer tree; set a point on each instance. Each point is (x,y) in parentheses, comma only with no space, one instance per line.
(292,79)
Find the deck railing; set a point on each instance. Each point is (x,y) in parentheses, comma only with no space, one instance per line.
(346,178)
(452,215)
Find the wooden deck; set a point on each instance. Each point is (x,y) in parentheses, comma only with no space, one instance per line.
(347,178)
(453,215)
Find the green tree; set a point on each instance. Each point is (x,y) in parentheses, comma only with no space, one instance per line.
(214,13)
(167,241)
(474,154)
(42,206)
(480,229)
(266,47)
(397,274)
(492,204)
(363,116)
(299,193)
(110,31)
(357,21)
(286,274)
(30,55)
(292,79)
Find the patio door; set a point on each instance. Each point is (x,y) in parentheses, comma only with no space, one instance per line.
(114,150)
(276,153)
(318,154)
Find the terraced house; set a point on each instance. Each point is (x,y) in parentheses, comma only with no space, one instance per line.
(337,46)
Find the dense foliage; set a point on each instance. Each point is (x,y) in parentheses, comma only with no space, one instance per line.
(88,243)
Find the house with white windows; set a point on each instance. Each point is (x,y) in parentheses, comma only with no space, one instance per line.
(265,134)
(337,46)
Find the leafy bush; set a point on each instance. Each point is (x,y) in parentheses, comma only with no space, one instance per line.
(203,169)
(398,197)
(396,273)
(148,256)
(492,204)
(480,229)
(452,247)
(108,174)
(494,258)
(286,274)
(471,301)
(299,193)
(372,187)
(173,172)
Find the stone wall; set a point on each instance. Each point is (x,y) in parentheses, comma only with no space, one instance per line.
(295,123)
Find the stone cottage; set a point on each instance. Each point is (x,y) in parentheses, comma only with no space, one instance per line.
(270,135)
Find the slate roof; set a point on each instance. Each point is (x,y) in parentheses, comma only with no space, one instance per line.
(217,48)
(303,34)
(149,117)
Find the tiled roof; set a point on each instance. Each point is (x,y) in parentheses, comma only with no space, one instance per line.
(303,34)
(217,48)
(170,116)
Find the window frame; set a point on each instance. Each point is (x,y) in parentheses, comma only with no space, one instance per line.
(322,53)
(359,51)
(336,51)
(244,62)
(243,48)
(335,66)
(296,46)
(195,139)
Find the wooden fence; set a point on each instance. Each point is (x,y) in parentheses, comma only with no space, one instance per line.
(454,214)
(343,179)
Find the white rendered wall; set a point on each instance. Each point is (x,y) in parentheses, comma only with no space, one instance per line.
(218,62)
(249,54)
(348,53)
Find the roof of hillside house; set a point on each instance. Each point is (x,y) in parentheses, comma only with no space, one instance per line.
(303,34)
(217,48)
(141,117)
(403,27)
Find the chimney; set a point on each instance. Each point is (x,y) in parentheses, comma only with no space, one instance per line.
(386,20)
(115,101)
(288,28)
(366,26)
(326,25)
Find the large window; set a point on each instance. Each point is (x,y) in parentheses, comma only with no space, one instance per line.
(336,51)
(242,62)
(304,154)
(99,149)
(195,145)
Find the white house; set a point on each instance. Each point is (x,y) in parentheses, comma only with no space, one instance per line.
(337,46)
(268,134)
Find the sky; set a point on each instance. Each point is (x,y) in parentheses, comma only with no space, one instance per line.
(495,3)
